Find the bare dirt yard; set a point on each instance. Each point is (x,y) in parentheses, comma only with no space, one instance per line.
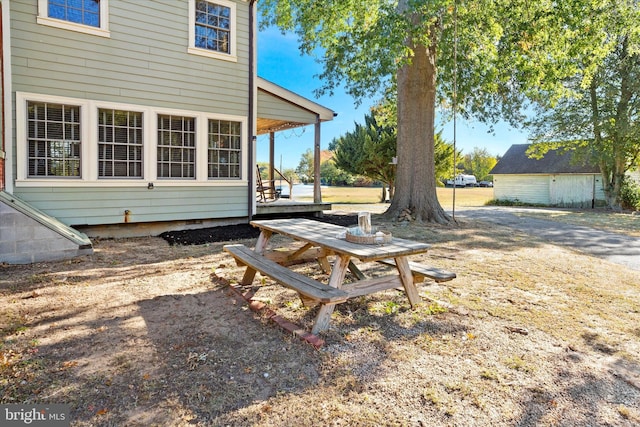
(146,333)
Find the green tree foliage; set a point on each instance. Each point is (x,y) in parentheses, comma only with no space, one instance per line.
(600,119)
(443,157)
(479,163)
(305,167)
(630,194)
(509,51)
(331,175)
(291,175)
(368,150)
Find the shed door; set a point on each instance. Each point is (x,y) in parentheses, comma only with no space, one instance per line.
(571,190)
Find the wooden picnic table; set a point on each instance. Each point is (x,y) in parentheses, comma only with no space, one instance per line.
(319,241)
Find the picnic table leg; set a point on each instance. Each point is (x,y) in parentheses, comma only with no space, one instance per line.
(325,265)
(261,244)
(356,271)
(406,277)
(335,280)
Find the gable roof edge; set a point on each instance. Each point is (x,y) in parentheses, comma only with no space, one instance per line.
(324,113)
(516,162)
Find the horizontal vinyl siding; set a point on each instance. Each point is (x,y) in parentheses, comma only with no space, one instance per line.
(99,206)
(145,61)
(272,107)
(523,188)
(571,190)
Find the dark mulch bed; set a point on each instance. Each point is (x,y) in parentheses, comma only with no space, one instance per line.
(238,232)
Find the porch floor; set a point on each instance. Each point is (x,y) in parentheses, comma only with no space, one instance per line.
(288,206)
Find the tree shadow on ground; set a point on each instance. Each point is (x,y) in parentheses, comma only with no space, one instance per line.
(171,360)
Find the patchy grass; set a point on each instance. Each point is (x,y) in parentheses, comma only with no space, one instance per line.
(143,333)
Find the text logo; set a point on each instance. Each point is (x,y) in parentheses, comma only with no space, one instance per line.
(35,415)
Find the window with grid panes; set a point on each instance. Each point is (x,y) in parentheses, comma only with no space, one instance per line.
(176,147)
(85,12)
(225,144)
(213,26)
(119,144)
(53,140)
(84,16)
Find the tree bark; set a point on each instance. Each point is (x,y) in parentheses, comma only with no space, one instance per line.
(614,165)
(415,186)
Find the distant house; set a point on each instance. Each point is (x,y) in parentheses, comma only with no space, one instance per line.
(133,117)
(555,180)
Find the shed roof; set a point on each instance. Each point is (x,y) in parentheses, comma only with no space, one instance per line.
(516,161)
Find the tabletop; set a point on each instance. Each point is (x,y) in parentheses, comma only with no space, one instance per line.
(326,235)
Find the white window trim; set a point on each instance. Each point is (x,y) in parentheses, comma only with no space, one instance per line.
(89,148)
(21,135)
(92,149)
(203,154)
(102,31)
(232,56)
(198,161)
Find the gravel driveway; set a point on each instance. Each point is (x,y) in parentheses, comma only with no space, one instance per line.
(614,247)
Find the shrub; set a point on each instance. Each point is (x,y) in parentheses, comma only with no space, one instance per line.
(515,202)
(630,194)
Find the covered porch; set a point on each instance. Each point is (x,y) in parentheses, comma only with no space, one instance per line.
(280,109)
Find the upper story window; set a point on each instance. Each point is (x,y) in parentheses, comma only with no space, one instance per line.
(86,12)
(212,29)
(86,16)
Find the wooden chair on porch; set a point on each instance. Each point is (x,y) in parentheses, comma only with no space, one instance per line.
(265,189)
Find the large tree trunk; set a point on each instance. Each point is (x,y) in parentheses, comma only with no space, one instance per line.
(613,165)
(415,186)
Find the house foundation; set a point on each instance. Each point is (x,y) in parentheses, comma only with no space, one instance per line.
(27,235)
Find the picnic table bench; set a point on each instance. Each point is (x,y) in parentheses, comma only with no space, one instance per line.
(420,271)
(304,285)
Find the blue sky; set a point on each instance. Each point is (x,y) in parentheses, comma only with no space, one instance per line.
(280,61)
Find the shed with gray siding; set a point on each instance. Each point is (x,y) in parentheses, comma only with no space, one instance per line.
(558,179)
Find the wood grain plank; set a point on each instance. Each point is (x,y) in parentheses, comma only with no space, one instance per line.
(304,285)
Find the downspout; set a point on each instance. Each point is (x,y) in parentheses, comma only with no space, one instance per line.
(593,193)
(2,88)
(252,137)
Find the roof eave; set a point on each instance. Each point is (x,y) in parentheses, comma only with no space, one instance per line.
(324,113)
